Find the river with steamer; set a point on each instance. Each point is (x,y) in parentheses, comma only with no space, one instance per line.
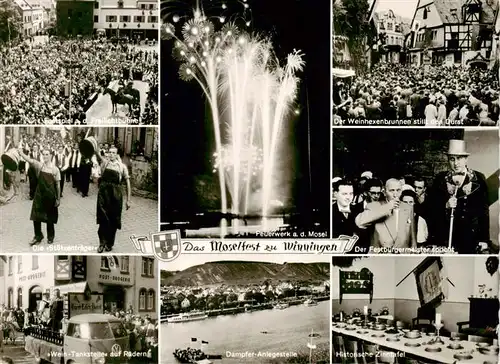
(258,333)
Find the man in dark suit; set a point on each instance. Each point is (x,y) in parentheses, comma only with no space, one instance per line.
(56,309)
(343,213)
(392,221)
(462,192)
(33,180)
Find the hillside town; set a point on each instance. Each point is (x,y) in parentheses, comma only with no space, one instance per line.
(437,67)
(176,299)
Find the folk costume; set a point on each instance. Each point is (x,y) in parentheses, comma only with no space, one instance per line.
(471,215)
(46,198)
(110,201)
(471,223)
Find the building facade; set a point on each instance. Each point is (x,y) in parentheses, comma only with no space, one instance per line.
(495,52)
(451,32)
(32,17)
(391,31)
(126,282)
(135,19)
(127,18)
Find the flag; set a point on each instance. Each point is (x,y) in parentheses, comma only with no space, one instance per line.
(113,262)
(142,244)
(193,339)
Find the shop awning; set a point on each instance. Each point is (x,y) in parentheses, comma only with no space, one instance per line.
(342,73)
(80,287)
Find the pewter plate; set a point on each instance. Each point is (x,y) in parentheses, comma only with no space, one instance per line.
(463,356)
(393,339)
(433,349)
(410,336)
(492,350)
(483,345)
(457,347)
(412,345)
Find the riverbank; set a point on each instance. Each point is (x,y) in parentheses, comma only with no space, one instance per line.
(250,308)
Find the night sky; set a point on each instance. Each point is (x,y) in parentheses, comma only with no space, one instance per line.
(187,137)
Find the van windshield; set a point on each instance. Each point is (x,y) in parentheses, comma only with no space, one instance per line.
(107,330)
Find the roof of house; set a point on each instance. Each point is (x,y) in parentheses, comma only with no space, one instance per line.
(450,11)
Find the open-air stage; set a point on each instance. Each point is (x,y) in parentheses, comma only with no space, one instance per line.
(101,111)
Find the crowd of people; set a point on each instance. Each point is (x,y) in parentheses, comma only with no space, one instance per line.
(405,214)
(36,78)
(431,95)
(50,161)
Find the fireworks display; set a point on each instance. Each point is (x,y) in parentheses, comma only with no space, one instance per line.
(250,94)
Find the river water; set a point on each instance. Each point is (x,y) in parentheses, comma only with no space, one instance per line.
(287,334)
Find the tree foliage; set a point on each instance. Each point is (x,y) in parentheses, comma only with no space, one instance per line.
(350,20)
(10,21)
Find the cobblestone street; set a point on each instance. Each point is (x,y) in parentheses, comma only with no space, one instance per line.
(76,230)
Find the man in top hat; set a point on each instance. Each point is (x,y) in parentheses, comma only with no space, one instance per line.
(462,193)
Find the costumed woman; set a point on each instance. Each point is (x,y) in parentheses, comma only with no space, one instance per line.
(46,200)
(110,198)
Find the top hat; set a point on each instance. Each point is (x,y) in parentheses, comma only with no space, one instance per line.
(457,147)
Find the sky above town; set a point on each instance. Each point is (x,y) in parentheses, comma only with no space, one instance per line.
(404,8)
(190,260)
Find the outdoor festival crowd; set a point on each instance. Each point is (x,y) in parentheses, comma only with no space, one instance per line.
(431,95)
(49,314)
(35,78)
(74,168)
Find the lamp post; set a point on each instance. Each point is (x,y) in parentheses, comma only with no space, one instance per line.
(70,65)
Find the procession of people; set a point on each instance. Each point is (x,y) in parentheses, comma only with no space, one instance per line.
(400,213)
(428,96)
(57,81)
(50,162)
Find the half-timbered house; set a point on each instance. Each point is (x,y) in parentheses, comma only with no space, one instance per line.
(451,32)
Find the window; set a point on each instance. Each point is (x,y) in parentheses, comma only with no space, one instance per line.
(104,263)
(96,5)
(425,14)
(19,264)
(111,18)
(125,19)
(143,6)
(20,297)
(142,299)
(152,6)
(139,19)
(10,297)
(11,265)
(124,264)
(152,19)
(151,265)
(390,25)
(96,18)
(151,300)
